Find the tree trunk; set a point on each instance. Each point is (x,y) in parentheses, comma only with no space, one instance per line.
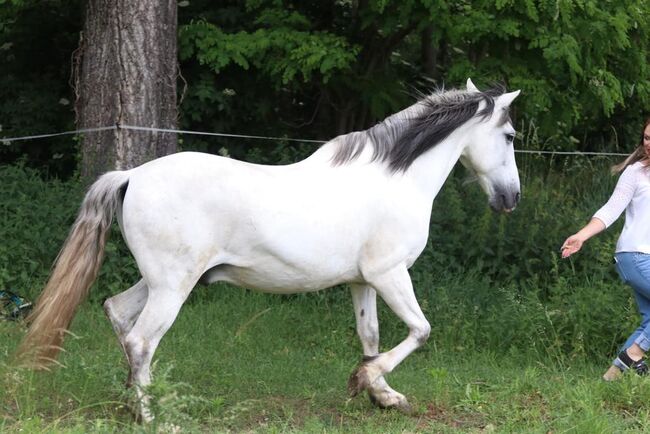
(127,76)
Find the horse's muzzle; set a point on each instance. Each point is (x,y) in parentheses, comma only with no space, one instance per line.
(505,201)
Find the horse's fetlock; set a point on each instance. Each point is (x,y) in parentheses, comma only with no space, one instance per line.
(362,377)
(356,383)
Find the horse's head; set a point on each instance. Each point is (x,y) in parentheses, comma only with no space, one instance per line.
(489,153)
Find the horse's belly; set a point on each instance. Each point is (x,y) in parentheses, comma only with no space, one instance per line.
(276,277)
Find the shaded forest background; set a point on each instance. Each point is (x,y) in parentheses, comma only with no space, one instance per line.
(316,69)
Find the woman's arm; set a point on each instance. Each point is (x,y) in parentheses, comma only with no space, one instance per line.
(575,241)
(606,215)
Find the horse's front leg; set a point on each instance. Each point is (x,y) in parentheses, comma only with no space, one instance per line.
(364,299)
(396,289)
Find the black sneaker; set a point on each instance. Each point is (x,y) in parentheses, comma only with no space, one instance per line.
(13,306)
(639,366)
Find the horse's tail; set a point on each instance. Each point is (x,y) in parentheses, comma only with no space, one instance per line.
(74,271)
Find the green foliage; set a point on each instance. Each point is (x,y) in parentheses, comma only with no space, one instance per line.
(36,44)
(37,216)
(582,65)
(282,53)
(565,320)
(170,402)
(523,247)
(578,63)
(287,68)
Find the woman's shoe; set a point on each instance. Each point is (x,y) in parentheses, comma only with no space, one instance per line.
(638,366)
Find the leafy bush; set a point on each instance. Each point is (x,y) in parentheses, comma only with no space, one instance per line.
(37,215)
(523,247)
(566,319)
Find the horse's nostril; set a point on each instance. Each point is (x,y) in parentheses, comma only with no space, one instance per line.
(517,197)
(504,202)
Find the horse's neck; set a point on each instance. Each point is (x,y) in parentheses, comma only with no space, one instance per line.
(430,171)
(427,173)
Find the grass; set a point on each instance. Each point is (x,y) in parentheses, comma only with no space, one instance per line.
(518,344)
(237,361)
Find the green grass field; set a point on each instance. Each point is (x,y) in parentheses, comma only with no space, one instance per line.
(237,361)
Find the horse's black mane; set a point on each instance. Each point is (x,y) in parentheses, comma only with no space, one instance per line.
(398,141)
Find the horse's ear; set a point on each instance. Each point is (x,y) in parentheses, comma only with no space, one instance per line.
(507,98)
(471,87)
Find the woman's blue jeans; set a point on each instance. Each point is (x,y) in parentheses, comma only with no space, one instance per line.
(634,269)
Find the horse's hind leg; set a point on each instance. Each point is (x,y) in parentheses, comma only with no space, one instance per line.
(364,299)
(166,296)
(123,310)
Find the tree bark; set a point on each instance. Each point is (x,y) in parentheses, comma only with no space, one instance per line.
(127,76)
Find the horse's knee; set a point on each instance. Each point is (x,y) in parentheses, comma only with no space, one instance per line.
(421,332)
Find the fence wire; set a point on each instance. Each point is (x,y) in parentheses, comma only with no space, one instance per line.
(8,140)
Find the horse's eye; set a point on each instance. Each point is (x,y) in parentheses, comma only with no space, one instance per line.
(510,137)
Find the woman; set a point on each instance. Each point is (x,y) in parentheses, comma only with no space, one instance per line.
(632,194)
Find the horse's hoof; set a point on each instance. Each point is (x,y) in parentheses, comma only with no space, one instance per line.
(393,400)
(404,407)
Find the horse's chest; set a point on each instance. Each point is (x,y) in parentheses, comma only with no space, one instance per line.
(396,242)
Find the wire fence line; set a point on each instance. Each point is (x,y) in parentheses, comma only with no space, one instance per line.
(8,140)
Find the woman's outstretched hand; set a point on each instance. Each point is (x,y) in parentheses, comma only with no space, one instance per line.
(571,245)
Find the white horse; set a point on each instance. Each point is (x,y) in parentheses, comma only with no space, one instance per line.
(356,211)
